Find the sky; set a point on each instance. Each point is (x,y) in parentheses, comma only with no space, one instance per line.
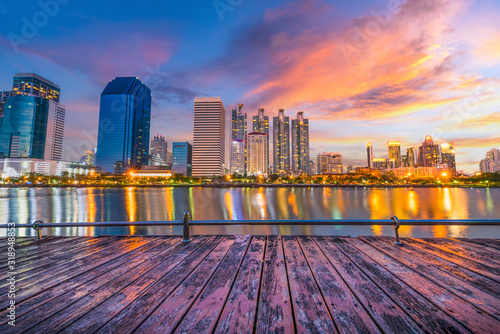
(360,70)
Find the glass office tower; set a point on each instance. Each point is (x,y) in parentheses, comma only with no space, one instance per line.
(182,158)
(124,123)
(24,127)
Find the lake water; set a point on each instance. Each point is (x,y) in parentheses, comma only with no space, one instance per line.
(55,205)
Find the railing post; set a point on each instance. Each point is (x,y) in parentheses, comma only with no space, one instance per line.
(38,229)
(396,232)
(186,230)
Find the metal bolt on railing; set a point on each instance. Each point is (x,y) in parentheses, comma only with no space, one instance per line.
(396,232)
(186,230)
(38,229)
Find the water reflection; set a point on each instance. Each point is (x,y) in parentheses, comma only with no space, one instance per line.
(144,204)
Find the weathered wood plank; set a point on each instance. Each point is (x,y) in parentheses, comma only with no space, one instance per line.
(418,263)
(56,276)
(389,317)
(72,290)
(491,245)
(311,314)
(275,310)
(464,262)
(439,309)
(470,252)
(134,314)
(117,292)
(241,307)
(203,315)
(345,308)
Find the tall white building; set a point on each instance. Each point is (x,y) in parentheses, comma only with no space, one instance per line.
(208,136)
(330,163)
(492,162)
(257,153)
(281,143)
(238,157)
(369,154)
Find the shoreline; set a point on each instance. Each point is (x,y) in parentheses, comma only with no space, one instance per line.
(348,186)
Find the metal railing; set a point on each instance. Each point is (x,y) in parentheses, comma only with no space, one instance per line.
(186,224)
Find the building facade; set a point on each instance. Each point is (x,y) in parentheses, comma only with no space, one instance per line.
(300,144)
(394,150)
(412,157)
(124,124)
(260,124)
(238,156)
(330,163)
(429,154)
(491,164)
(182,158)
(369,154)
(448,157)
(281,143)
(159,151)
(209,136)
(257,154)
(33,120)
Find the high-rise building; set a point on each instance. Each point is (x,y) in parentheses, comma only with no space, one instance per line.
(412,157)
(312,168)
(330,163)
(182,158)
(300,144)
(257,153)
(159,151)
(369,154)
(33,120)
(491,164)
(394,150)
(281,143)
(208,136)
(448,157)
(124,124)
(379,163)
(238,157)
(429,153)
(88,158)
(3,98)
(261,125)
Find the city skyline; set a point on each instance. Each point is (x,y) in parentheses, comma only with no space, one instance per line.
(444,84)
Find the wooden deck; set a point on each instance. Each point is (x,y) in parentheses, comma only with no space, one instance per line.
(245,284)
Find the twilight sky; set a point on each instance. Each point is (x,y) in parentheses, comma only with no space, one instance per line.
(361,70)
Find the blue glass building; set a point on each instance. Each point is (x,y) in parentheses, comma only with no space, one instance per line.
(124,123)
(24,127)
(182,158)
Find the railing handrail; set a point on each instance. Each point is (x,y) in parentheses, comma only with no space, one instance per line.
(270,222)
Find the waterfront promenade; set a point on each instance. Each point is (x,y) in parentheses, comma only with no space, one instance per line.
(245,284)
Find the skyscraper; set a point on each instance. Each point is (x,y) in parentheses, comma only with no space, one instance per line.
(330,163)
(261,125)
(394,149)
(412,157)
(208,136)
(238,157)
(124,123)
(257,153)
(448,157)
(369,154)
(429,153)
(300,144)
(491,163)
(182,158)
(281,143)
(33,119)
(159,150)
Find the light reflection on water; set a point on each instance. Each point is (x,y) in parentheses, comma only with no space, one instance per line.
(158,204)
